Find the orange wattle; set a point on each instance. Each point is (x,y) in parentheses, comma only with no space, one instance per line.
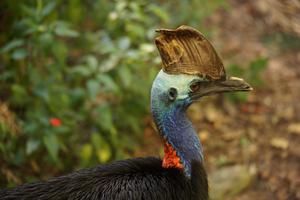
(171,160)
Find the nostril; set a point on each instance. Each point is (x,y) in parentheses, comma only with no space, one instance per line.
(248,87)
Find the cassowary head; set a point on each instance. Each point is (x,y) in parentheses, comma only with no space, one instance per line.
(191,69)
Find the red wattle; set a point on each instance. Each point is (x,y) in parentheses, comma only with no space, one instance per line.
(171,160)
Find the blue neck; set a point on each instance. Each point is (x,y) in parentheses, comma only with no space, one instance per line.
(177,130)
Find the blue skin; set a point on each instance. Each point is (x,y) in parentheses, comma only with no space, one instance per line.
(171,120)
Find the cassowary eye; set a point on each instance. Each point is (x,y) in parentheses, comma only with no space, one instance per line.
(172,94)
(194,87)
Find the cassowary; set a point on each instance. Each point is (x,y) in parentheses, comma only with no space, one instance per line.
(191,69)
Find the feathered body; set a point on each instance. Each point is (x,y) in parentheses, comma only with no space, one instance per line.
(132,179)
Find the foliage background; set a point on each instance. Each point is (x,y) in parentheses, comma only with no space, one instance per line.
(90,65)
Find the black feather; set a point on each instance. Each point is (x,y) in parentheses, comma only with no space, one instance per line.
(132,179)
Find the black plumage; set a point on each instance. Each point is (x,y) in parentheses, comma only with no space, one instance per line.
(138,178)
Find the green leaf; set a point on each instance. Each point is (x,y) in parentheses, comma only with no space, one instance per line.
(46,39)
(105,117)
(77,95)
(258,65)
(108,83)
(19,54)
(32,145)
(19,157)
(147,48)
(102,148)
(237,97)
(125,76)
(11,45)
(19,90)
(81,70)
(52,144)
(30,127)
(30,11)
(104,154)
(236,70)
(20,95)
(86,153)
(244,141)
(60,50)
(255,68)
(63,30)
(110,63)
(42,91)
(135,30)
(92,62)
(93,88)
(158,11)
(48,8)
(124,43)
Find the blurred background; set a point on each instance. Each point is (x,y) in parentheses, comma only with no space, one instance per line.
(75,78)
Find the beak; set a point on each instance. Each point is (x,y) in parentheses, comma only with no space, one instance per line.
(230,84)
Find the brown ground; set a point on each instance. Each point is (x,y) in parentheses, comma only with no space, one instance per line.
(262,136)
